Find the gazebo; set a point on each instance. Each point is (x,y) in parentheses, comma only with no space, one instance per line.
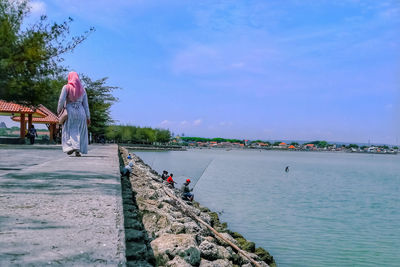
(21,113)
(51,120)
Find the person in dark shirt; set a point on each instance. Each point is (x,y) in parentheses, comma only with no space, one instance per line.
(32,134)
(127,170)
(186,191)
(164,175)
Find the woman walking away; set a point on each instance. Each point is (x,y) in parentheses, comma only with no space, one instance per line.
(74,131)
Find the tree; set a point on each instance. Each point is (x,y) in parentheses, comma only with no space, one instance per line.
(322,144)
(352,146)
(140,135)
(150,135)
(112,133)
(100,101)
(134,134)
(163,136)
(294,144)
(30,58)
(277,143)
(395,147)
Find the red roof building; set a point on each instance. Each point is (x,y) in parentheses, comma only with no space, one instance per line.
(8,108)
(50,119)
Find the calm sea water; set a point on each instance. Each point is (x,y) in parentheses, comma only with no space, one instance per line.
(330,209)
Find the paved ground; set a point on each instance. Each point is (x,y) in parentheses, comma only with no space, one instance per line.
(60,210)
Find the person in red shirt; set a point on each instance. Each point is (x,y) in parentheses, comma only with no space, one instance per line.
(170,181)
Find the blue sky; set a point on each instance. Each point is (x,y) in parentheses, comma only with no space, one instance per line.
(287,70)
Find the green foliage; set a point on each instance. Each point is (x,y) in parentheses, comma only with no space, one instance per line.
(264,256)
(395,147)
(276,143)
(30,56)
(163,136)
(134,134)
(294,143)
(217,139)
(100,101)
(320,144)
(352,146)
(3,131)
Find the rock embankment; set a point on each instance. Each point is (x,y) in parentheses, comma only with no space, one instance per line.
(174,232)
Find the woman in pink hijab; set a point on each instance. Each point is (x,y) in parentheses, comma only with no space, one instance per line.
(74,131)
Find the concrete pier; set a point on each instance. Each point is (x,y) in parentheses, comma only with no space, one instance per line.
(57,209)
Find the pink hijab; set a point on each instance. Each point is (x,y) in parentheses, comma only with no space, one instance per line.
(74,86)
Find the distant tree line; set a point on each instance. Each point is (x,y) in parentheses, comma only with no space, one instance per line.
(135,134)
(217,139)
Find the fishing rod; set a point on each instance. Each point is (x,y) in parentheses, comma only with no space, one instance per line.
(203,172)
(152,162)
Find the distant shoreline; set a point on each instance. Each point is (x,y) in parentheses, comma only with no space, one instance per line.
(186,148)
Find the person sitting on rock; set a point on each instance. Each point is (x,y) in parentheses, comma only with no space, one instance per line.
(129,156)
(164,175)
(126,171)
(171,181)
(186,192)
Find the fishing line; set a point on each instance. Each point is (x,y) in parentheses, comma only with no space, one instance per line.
(203,172)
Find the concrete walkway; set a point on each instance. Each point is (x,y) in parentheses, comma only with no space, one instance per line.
(60,210)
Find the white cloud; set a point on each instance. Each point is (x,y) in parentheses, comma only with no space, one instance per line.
(37,8)
(225,123)
(165,123)
(183,123)
(197,122)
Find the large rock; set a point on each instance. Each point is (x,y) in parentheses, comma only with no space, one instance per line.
(211,251)
(192,228)
(227,237)
(205,217)
(178,262)
(224,253)
(217,263)
(177,228)
(208,250)
(167,246)
(154,222)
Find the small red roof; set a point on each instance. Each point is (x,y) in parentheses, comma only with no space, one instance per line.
(291,146)
(12,108)
(50,116)
(282,144)
(310,145)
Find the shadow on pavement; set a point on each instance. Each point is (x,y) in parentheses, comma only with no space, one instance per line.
(56,183)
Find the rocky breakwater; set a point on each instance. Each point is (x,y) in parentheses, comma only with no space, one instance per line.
(185,234)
